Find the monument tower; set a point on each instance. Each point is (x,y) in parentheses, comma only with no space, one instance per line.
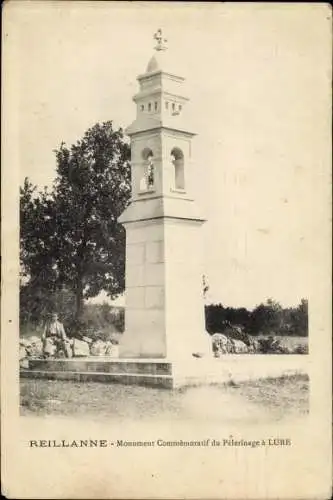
(164,315)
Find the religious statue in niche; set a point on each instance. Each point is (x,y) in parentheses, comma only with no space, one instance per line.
(147,181)
(173,163)
(150,173)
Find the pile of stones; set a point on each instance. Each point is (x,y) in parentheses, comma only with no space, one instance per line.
(32,348)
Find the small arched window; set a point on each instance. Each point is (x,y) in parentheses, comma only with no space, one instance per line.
(166,104)
(173,106)
(142,107)
(147,175)
(156,105)
(149,106)
(177,159)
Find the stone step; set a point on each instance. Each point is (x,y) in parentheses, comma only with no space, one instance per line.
(148,380)
(103,365)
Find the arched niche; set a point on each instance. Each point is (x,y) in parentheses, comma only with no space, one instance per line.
(177,159)
(147,179)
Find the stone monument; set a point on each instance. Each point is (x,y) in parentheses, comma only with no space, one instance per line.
(165,343)
(164,315)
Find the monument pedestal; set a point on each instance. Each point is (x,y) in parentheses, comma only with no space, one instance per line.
(164,315)
(150,373)
(168,374)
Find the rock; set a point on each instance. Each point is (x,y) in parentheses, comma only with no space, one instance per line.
(112,350)
(284,349)
(35,347)
(69,346)
(301,349)
(23,352)
(236,332)
(221,344)
(87,339)
(98,348)
(114,338)
(24,363)
(254,346)
(240,347)
(80,348)
(33,339)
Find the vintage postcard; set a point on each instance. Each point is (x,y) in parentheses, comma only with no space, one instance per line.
(166,250)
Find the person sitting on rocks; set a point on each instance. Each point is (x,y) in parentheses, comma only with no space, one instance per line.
(55,339)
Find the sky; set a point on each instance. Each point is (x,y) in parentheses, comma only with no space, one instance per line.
(258,76)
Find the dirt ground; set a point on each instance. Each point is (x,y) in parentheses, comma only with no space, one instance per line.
(261,400)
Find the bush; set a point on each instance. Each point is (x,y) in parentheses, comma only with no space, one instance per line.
(301,349)
(99,321)
(264,318)
(270,345)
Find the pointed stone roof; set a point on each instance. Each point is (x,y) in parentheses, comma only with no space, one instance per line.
(162,59)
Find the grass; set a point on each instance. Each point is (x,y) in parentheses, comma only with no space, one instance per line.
(286,393)
(266,398)
(291,341)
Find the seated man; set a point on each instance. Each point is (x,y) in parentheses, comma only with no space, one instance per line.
(54,338)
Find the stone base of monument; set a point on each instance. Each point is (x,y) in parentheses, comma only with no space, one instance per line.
(152,373)
(166,373)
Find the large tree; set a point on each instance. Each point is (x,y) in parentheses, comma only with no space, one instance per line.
(72,233)
(267,318)
(38,279)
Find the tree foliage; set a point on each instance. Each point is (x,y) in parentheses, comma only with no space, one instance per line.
(38,279)
(269,318)
(70,237)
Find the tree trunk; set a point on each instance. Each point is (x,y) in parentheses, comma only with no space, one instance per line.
(79,300)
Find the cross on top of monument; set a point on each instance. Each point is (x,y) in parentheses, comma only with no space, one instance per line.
(161,42)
